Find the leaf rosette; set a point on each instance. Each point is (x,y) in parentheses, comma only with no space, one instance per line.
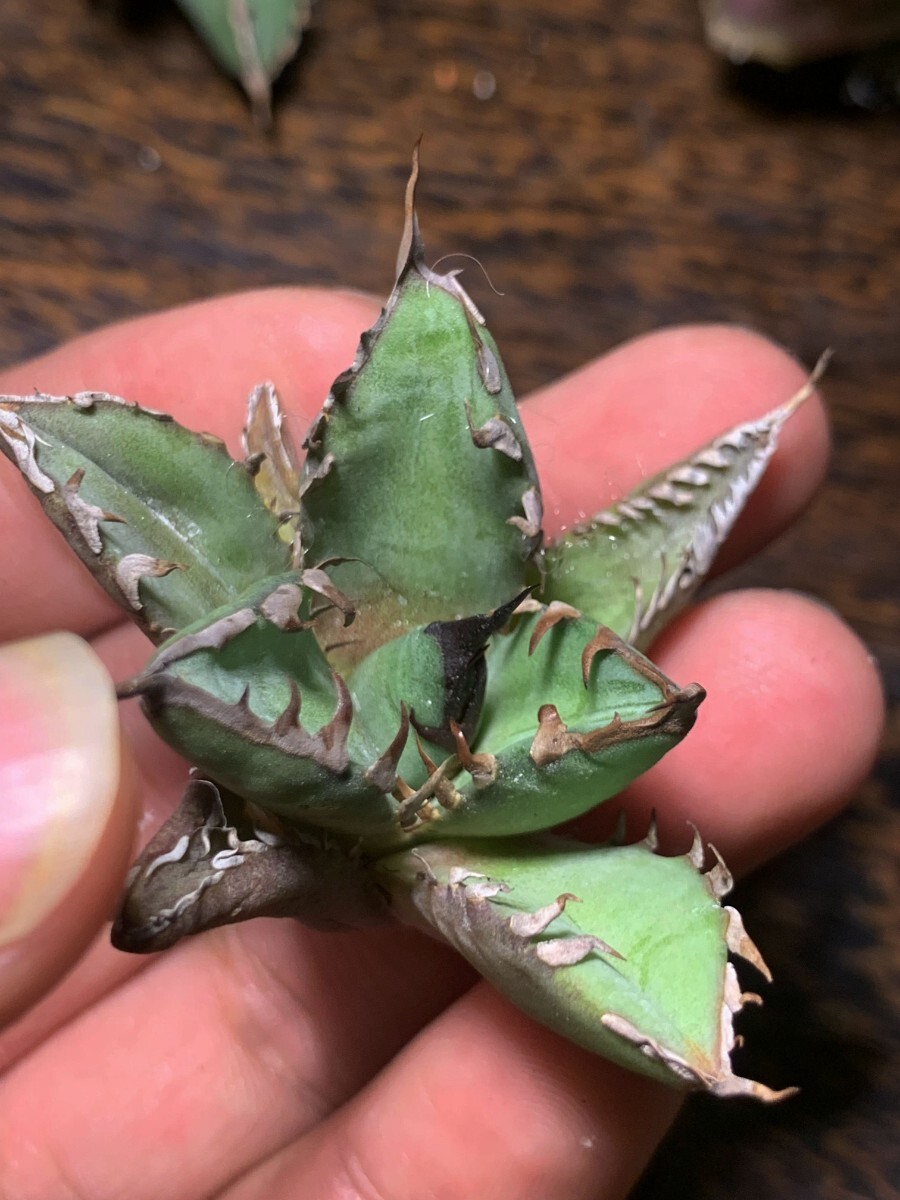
(391,689)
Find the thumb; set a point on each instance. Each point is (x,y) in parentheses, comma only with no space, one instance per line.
(66,817)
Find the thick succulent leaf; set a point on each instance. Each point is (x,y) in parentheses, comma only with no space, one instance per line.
(434,676)
(571,716)
(637,564)
(166,521)
(214,862)
(251,39)
(419,482)
(616,948)
(247,695)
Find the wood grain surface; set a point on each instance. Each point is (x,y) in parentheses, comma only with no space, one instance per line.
(613,178)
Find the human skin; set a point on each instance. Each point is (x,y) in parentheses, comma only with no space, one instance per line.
(266,1059)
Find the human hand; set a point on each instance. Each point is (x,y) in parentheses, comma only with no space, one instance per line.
(271,1060)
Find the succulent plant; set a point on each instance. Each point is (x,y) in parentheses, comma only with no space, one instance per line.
(390,689)
(252,40)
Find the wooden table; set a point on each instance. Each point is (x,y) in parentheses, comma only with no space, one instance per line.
(613,180)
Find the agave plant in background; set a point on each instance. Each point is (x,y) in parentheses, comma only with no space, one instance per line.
(390,689)
(253,40)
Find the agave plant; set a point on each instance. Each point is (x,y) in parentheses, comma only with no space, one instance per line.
(252,40)
(390,689)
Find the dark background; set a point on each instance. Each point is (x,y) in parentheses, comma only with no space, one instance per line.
(618,178)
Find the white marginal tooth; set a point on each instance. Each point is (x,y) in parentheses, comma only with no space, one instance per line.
(528,605)
(482,887)
(654,1050)
(87,517)
(131,570)
(530,524)
(721,1083)
(527,924)
(567,951)
(732,989)
(734,1085)
(697,852)
(21,441)
(739,942)
(461,874)
(690,475)
(485,890)
(719,879)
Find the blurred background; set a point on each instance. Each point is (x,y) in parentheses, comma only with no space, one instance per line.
(614,173)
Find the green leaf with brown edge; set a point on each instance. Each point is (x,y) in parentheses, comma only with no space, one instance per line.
(163,518)
(571,716)
(636,565)
(614,947)
(419,477)
(247,695)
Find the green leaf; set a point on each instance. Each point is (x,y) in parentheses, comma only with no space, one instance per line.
(251,39)
(615,947)
(636,565)
(436,675)
(419,477)
(163,518)
(571,716)
(247,695)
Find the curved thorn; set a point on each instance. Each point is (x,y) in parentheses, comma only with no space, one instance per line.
(697,852)
(291,714)
(556,611)
(383,771)
(529,924)
(651,838)
(718,878)
(740,943)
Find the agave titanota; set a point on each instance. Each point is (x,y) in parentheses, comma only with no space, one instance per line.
(391,689)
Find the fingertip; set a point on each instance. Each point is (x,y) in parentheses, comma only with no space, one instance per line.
(201,360)
(658,398)
(790,727)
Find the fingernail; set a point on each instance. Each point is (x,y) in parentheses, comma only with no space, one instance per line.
(59,770)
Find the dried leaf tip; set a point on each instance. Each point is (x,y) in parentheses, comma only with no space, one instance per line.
(790,406)
(410,251)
